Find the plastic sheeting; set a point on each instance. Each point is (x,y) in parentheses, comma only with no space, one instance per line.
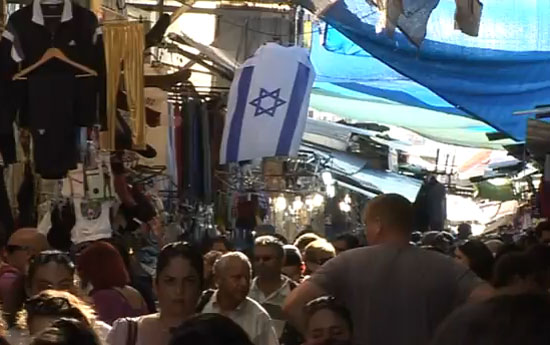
(505,69)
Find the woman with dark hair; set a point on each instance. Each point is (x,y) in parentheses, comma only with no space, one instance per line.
(210,329)
(50,270)
(221,244)
(67,332)
(49,305)
(294,266)
(505,320)
(327,323)
(476,255)
(178,283)
(101,267)
(42,310)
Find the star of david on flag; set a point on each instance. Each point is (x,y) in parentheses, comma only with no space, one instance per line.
(268,104)
(264,95)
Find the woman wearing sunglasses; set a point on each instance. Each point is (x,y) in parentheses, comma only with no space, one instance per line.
(42,310)
(50,270)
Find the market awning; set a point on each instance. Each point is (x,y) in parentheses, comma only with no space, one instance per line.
(438,126)
(487,78)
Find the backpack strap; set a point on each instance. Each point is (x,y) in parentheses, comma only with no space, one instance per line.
(131,338)
(205,298)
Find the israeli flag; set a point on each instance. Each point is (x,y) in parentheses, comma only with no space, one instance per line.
(268,104)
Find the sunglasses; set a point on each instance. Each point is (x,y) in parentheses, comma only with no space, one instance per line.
(12,248)
(46,306)
(48,256)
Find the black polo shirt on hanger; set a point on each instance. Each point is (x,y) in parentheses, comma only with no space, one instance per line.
(28,35)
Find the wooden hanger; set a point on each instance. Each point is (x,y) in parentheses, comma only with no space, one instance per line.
(57,54)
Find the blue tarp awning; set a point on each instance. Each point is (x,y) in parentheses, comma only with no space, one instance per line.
(485,78)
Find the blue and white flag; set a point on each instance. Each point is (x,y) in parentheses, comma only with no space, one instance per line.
(268,104)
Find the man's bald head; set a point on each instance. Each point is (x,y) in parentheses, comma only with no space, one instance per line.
(232,273)
(23,245)
(30,238)
(388,213)
(231,259)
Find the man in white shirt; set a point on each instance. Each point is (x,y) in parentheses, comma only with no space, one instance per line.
(270,288)
(232,274)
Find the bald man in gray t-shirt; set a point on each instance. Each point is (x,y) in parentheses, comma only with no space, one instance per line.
(397,294)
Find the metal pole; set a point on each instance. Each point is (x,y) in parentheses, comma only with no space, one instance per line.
(160,9)
(299,26)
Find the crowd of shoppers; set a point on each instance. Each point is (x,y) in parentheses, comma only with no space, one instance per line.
(310,292)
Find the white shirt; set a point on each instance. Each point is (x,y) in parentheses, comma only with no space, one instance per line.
(93,226)
(273,303)
(251,317)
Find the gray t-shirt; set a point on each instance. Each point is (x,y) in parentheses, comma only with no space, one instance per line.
(397,295)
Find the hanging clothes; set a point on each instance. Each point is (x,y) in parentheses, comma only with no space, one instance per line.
(53,130)
(468,16)
(26,200)
(206,153)
(171,162)
(92,221)
(28,35)
(56,225)
(192,178)
(410,15)
(430,206)
(6,216)
(124,43)
(178,141)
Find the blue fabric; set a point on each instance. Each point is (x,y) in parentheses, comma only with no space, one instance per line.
(505,69)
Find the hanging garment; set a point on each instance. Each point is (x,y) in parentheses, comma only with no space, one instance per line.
(124,43)
(179,145)
(192,155)
(7,143)
(56,225)
(27,37)
(430,207)
(171,163)
(92,221)
(3,15)
(53,129)
(411,16)
(390,10)
(6,216)
(152,116)
(45,224)
(468,16)
(124,140)
(26,200)
(206,152)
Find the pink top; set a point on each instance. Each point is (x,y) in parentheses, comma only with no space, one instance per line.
(111,305)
